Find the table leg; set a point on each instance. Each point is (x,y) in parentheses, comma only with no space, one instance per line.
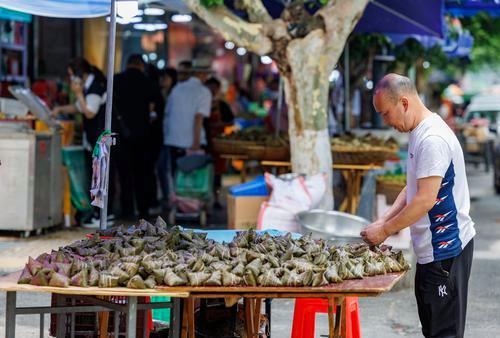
(331,323)
(175,315)
(268,313)
(184,331)
(117,324)
(248,316)
(256,316)
(344,206)
(243,173)
(340,320)
(61,317)
(131,317)
(42,324)
(10,314)
(73,319)
(190,311)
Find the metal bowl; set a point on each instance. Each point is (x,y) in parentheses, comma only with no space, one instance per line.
(336,226)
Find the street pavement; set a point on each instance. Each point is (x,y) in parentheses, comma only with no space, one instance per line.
(387,316)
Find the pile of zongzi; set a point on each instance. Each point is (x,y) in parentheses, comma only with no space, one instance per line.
(147,255)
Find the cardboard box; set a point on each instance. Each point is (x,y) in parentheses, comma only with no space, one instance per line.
(243,211)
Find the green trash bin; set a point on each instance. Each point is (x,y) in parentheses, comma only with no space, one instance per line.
(78,171)
(162,315)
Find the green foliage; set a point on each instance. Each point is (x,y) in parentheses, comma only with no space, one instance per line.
(212,3)
(409,52)
(484,29)
(360,44)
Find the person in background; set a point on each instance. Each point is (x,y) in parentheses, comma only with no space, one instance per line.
(435,204)
(184,70)
(168,80)
(154,138)
(221,116)
(88,85)
(133,103)
(188,104)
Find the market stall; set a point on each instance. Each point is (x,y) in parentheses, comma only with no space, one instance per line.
(194,264)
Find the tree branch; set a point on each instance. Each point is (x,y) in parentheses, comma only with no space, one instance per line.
(256,11)
(249,35)
(340,17)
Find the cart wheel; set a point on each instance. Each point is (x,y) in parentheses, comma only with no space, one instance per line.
(25,234)
(203,218)
(39,231)
(171,217)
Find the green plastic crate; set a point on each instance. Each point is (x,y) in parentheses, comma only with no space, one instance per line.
(196,184)
(161,314)
(74,159)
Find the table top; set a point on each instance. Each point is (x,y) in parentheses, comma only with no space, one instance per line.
(9,283)
(369,286)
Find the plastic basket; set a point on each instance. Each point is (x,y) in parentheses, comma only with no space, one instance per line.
(232,147)
(265,153)
(352,155)
(390,189)
(161,314)
(195,184)
(257,187)
(75,162)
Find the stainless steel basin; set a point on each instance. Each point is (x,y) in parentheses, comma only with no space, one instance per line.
(338,226)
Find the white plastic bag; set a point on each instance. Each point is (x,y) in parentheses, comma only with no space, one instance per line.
(289,197)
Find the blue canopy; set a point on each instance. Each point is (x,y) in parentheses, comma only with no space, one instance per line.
(465,8)
(422,17)
(60,8)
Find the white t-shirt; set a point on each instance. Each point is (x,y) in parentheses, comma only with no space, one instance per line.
(434,150)
(187,99)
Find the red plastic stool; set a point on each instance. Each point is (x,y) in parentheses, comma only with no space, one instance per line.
(305,314)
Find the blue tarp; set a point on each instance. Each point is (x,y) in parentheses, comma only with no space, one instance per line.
(60,8)
(465,8)
(422,17)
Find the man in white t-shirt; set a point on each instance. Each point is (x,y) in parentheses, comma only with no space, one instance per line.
(434,204)
(188,104)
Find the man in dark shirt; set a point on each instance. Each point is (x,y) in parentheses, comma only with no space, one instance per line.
(133,102)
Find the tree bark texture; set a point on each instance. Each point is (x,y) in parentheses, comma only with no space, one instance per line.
(305,64)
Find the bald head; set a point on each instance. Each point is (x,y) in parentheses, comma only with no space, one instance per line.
(393,86)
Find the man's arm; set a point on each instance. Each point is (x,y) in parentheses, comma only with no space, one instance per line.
(422,202)
(198,124)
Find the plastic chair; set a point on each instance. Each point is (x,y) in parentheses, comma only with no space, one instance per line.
(305,314)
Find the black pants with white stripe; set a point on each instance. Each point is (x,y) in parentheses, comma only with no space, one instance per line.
(441,290)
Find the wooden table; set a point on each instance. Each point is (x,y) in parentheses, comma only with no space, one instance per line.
(244,158)
(353,173)
(94,295)
(252,296)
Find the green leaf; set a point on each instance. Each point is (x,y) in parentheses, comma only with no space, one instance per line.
(212,3)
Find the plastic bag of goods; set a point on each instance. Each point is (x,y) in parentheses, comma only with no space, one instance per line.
(291,194)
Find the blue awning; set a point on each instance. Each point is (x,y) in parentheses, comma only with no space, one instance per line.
(466,8)
(60,8)
(422,17)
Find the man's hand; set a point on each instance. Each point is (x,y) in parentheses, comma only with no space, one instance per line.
(374,233)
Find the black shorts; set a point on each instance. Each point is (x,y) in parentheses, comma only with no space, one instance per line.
(441,291)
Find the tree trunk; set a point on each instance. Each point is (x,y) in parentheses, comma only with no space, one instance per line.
(306,90)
